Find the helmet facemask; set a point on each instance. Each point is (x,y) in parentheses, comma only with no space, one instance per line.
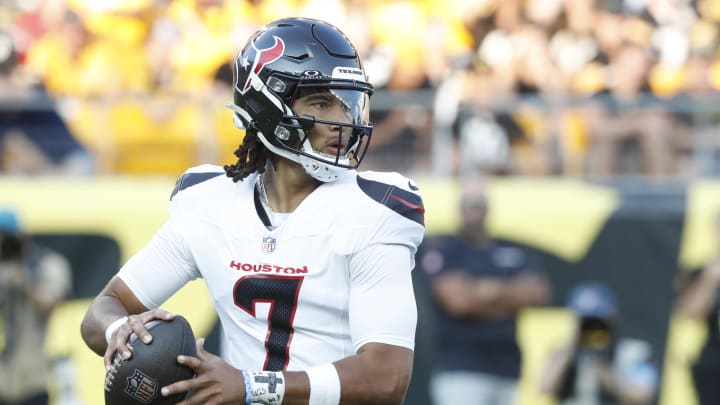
(291,136)
(353,134)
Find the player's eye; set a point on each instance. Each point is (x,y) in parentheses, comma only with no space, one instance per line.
(321,104)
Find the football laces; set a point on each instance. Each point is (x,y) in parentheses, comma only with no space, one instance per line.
(110,375)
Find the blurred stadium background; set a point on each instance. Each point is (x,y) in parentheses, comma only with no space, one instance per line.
(596,122)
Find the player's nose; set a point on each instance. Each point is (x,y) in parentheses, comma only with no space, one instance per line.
(340,114)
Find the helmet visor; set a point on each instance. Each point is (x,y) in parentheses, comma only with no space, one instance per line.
(355,103)
(353,139)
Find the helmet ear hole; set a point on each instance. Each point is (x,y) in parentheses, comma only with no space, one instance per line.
(282,133)
(277,85)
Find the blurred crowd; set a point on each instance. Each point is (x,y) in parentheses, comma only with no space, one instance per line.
(534,87)
(605,87)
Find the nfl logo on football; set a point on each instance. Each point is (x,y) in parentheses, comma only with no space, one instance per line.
(141,387)
(268,244)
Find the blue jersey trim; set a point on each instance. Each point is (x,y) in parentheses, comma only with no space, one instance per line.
(403,202)
(191,179)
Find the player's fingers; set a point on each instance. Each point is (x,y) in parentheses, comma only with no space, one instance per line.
(149,316)
(119,343)
(201,396)
(110,351)
(199,344)
(108,358)
(158,313)
(137,323)
(196,399)
(137,326)
(190,361)
(180,387)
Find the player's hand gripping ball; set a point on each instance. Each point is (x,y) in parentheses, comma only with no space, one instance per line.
(139,379)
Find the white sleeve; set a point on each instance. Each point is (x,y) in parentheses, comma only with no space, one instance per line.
(382,301)
(161,268)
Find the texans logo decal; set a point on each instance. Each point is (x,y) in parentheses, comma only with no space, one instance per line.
(262,58)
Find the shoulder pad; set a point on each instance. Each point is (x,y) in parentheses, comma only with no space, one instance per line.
(191,178)
(405,203)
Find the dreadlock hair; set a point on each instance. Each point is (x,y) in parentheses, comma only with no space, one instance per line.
(252,157)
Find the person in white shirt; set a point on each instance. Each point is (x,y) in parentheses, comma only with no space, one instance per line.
(308,260)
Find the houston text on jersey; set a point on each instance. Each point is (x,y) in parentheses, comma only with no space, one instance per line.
(267,268)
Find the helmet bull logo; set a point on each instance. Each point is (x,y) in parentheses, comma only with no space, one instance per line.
(262,58)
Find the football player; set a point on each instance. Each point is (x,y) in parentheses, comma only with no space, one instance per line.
(307,259)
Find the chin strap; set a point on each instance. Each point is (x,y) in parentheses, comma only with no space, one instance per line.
(317,170)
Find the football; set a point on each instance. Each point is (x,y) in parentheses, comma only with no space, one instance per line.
(139,379)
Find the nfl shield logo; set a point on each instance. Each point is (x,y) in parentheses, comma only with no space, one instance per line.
(141,387)
(268,244)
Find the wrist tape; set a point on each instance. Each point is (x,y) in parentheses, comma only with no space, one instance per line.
(113,327)
(324,385)
(264,387)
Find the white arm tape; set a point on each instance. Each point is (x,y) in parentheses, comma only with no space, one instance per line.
(324,385)
(113,327)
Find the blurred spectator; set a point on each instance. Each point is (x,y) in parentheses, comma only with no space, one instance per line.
(630,131)
(33,280)
(33,137)
(598,366)
(698,145)
(479,284)
(187,43)
(399,140)
(401,132)
(574,46)
(484,141)
(71,60)
(30,21)
(699,298)
(608,28)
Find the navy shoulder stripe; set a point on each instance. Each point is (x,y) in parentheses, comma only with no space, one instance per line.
(403,202)
(191,179)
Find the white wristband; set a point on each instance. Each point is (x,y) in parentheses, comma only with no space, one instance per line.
(113,327)
(264,387)
(324,385)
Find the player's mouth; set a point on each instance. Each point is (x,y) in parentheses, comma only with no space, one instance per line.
(335,149)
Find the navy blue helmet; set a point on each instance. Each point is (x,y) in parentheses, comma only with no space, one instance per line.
(285,60)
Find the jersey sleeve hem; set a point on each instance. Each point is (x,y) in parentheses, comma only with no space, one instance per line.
(388,340)
(132,284)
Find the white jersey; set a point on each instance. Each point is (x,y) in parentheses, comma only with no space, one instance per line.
(332,277)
